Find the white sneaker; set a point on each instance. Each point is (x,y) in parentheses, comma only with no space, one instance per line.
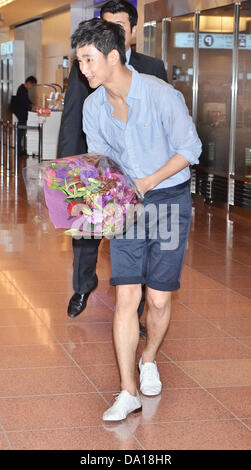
(150,383)
(125,403)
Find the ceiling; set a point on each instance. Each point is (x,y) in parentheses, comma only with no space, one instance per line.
(20,11)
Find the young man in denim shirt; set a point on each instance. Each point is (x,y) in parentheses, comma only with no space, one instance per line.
(143,124)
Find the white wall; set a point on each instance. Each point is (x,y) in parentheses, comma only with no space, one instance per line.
(55,45)
(30,33)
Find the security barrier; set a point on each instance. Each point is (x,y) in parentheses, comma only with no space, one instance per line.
(9,145)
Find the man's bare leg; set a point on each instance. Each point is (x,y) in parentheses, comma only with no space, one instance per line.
(157,321)
(126,333)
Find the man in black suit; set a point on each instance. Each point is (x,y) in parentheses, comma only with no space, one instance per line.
(72,142)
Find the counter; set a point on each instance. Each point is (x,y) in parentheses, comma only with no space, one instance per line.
(51,127)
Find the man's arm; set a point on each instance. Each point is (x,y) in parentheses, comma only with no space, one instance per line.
(71,139)
(95,141)
(182,136)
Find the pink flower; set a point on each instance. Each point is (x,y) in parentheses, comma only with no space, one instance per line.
(50,177)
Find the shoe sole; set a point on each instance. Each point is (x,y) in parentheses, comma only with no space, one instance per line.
(151,394)
(123,419)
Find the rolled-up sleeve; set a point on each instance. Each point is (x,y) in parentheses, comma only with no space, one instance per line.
(180,128)
(95,141)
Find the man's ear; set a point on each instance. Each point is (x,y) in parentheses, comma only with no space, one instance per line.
(134,31)
(114,57)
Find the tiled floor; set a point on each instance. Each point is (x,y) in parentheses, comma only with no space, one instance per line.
(57,376)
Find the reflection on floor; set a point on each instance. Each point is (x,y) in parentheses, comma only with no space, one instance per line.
(58,375)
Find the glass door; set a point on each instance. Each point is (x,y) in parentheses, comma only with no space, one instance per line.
(243,117)
(216,42)
(153,39)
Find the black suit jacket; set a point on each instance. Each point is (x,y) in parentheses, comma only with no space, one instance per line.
(71,139)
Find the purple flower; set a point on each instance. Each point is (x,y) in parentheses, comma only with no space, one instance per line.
(92,173)
(62,173)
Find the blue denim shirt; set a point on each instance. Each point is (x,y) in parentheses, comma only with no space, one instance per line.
(158,126)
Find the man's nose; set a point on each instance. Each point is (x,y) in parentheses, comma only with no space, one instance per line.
(83,68)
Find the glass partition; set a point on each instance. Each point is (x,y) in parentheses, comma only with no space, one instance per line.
(243,118)
(153,39)
(211,65)
(214,87)
(180,42)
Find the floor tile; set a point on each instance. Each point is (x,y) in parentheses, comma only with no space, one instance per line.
(245,341)
(235,327)
(92,353)
(13,302)
(236,399)
(208,296)
(195,435)
(94,438)
(183,313)
(4,443)
(43,381)
(98,313)
(191,279)
(105,377)
(228,373)
(219,311)
(205,349)
(18,335)
(84,332)
(247,422)
(58,374)
(181,404)
(51,411)
(33,356)
(193,329)
(18,317)
(173,377)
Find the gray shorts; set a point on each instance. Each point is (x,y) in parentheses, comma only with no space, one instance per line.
(152,252)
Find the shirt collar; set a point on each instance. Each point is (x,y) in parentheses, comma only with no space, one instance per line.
(135,90)
(128,55)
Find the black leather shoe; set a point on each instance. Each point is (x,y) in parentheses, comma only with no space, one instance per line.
(77,304)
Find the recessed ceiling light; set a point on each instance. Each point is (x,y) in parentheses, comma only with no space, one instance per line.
(5,2)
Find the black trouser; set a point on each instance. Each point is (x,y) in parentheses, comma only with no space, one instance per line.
(21,138)
(85,253)
(84,264)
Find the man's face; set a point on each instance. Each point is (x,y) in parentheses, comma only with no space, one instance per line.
(30,85)
(93,64)
(122,18)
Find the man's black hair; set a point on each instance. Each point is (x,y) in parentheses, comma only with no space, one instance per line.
(103,35)
(31,79)
(117,6)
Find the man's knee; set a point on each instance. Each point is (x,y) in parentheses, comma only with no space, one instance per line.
(127,297)
(159,301)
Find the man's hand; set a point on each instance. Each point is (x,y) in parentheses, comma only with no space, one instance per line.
(144,184)
(173,166)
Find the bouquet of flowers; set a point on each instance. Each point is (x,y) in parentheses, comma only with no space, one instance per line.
(88,194)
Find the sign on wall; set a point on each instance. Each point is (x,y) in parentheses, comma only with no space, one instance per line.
(212,41)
